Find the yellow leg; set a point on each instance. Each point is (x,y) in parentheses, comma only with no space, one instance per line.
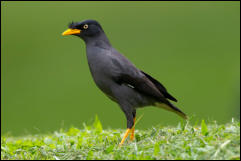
(133,131)
(125,136)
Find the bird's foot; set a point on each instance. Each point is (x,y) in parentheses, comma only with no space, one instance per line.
(132,131)
(125,136)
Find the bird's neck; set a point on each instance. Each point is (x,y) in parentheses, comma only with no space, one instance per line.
(100,40)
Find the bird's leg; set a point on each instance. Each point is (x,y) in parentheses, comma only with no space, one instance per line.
(133,131)
(133,128)
(130,123)
(125,136)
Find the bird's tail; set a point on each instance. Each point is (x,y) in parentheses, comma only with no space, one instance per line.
(172,108)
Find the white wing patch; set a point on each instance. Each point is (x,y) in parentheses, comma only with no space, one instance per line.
(130,86)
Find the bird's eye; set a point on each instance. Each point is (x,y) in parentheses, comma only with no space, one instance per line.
(85,26)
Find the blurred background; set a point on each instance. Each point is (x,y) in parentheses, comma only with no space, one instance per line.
(193,48)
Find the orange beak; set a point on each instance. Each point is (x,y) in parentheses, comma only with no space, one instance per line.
(71,32)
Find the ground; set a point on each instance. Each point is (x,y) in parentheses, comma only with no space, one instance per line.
(201,141)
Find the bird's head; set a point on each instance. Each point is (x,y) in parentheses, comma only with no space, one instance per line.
(85,29)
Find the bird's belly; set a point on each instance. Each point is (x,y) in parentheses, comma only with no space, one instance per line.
(103,83)
(121,92)
(130,96)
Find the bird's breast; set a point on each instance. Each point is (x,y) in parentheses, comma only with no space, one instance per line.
(100,65)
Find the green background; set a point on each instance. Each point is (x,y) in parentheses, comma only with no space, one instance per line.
(191,47)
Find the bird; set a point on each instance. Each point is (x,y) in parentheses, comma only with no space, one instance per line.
(118,78)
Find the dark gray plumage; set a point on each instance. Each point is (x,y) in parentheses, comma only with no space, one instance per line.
(117,77)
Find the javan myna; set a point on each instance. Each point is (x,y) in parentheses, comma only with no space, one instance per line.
(118,78)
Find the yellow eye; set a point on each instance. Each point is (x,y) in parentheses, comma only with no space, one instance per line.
(85,26)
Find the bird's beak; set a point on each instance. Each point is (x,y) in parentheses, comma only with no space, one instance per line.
(71,32)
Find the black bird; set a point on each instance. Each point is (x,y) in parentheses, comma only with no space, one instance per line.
(118,78)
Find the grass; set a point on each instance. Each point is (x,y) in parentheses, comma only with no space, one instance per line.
(202,141)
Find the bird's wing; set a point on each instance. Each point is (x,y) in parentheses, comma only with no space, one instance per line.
(127,73)
(141,84)
(160,87)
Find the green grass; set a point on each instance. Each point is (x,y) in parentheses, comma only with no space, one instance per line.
(202,141)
